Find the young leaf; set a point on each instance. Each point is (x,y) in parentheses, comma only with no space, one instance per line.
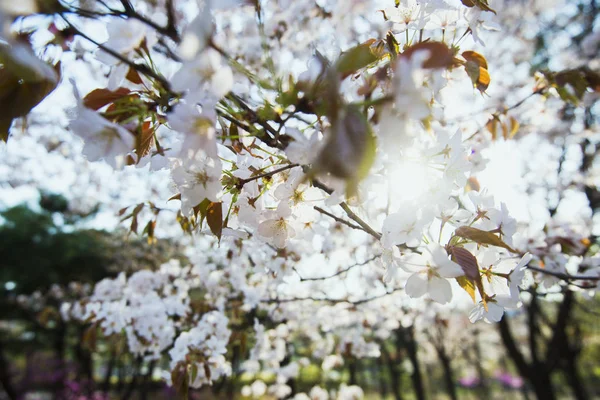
(133,76)
(90,337)
(194,372)
(214,218)
(476,67)
(514,127)
(144,139)
(467,262)
(350,149)
(356,58)
(481,4)
(482,237)
(440,56)
(175,197)
(98,98)
(202,209)
(24,82)
(467,285)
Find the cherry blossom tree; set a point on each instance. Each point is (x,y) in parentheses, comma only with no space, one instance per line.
(329,166)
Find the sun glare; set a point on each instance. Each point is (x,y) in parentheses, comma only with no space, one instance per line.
(409,181)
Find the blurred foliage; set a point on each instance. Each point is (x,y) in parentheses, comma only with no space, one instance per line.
(42,247)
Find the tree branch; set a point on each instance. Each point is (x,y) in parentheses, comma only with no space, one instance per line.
(141,68)
(338,219)
(331,301)
(242,182)
(564,276)
(363,225)
(340,272)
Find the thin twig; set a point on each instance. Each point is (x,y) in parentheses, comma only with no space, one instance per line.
(340,272)
(331,301)
(359,221)
(504,110)
(351,214)
(338,219)
(242,182)
(141,68)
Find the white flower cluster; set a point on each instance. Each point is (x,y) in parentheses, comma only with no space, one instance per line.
(200,352)
(147,307)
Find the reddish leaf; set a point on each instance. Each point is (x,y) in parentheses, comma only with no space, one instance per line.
(98,98)
(482,237)
(143,139)
(467,262)
(440,56)
(214,217)
(175,197)
(133,76)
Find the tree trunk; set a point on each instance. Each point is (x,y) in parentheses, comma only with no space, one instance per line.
(112,361)
(352,371)
(134,378)
(482,389)
(395,377)
(146,381)
(575,381)
(405,337)
(448,374)
(536,375)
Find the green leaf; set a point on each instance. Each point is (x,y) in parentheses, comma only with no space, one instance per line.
(355,58)
(194,372)
(350,149)
(392,43)
(482,237)
(202,209)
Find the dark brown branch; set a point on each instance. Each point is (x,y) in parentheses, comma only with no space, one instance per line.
(242,182)
(564,276)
